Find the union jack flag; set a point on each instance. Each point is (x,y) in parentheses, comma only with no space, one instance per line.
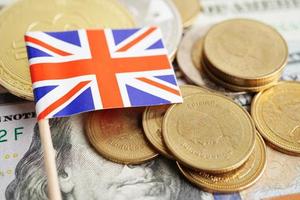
(85,70)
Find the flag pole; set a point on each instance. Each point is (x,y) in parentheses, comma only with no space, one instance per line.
(49,159)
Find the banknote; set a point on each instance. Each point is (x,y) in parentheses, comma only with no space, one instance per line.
(16,124)
(281,177)
(84,174)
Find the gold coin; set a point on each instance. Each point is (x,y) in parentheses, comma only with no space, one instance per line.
(209,132)
(187,90)
(153,119)
(232,87)
(245,51)
(188,10)
(118,135)
(233,181)
(197,54)
(276,113)
(48,15)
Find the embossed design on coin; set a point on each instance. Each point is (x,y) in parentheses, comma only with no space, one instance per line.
(201,129)
(47,16)
(118,135)
(244,52)
(233,181)
(276,113)
(209,132)
(153,119)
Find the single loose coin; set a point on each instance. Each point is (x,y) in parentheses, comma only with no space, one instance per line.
(188,10)
(209,132)
(161,13)
(49,15)
(244,50)
(118,135)
(233,181)
(153,119)
(276,113)
(189,58)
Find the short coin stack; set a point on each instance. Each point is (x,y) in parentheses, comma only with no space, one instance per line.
(213,139)
(244,55)
(214,142)
(240,55)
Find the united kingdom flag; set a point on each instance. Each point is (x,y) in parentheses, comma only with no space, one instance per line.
(85,70)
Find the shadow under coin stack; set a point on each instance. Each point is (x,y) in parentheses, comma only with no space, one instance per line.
(244,55)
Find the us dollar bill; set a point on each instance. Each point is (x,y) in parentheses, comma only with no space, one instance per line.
(84,174)
(16,130)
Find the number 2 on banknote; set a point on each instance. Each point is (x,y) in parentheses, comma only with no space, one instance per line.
(3,133)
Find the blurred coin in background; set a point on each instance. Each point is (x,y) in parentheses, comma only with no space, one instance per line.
(189,10)
(161,13)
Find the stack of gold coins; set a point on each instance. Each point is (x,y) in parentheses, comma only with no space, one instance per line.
(233,57)
(244,55)
(213,140)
